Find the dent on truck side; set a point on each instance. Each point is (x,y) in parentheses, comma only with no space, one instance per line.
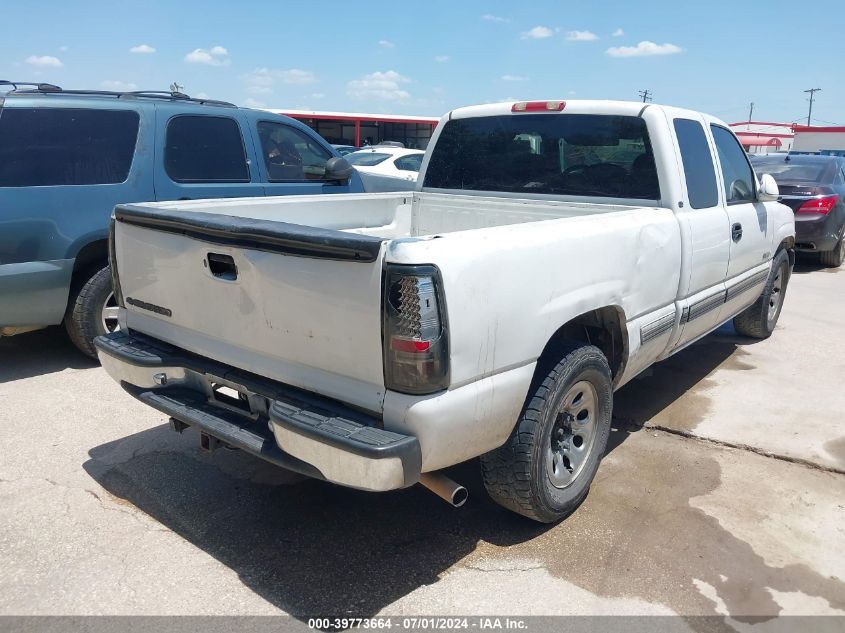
(509,290)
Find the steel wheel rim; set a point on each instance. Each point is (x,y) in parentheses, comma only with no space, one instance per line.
(776,295)
(108,315)
(573,434)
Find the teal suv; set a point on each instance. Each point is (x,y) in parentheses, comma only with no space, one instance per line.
(67,157)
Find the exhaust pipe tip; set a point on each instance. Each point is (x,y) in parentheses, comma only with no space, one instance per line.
(451,492)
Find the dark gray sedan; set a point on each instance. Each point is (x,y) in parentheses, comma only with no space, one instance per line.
(814,187)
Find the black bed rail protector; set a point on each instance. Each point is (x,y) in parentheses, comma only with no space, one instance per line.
(264,235)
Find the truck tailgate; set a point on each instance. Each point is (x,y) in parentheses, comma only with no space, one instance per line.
(297,304)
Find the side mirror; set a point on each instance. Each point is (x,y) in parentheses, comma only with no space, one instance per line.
(338,168)
(768,190)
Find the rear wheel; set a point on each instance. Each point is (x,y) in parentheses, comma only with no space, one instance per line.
(759,319)
(92,311)
(545,469)
(833,258)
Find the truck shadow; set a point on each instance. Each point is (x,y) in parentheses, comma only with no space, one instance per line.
(41,352)
(811,263)
(318,549)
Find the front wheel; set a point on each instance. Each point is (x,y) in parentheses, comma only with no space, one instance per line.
(92,311)
(759,319)
(545,469)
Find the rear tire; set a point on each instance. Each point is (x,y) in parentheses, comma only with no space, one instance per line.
(761,317)
(545,469)
(834,258)
(86,316)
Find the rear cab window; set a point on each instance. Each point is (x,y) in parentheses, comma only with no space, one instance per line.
(561,154)
(42,147)
(205,149)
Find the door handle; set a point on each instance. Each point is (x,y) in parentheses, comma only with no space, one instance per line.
(736,232)
(222,266)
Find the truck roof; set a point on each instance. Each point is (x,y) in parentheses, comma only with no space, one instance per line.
(572,106)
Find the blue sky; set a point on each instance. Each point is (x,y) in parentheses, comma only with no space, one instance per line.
(425,58)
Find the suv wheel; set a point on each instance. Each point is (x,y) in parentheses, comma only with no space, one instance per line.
(92,312)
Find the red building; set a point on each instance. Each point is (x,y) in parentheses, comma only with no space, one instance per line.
(352,128)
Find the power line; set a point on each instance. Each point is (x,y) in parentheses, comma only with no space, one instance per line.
(646,95)
(812,92)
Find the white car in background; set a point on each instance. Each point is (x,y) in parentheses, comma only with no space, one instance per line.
(384,168)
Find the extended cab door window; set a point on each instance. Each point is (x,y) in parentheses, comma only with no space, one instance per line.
(203,156)
(293,161)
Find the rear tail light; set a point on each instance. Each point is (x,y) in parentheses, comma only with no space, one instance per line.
(820,205)
(416,343)
(538,106)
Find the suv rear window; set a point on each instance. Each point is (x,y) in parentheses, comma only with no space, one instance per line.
(205,149)
(57,146)
(558,154)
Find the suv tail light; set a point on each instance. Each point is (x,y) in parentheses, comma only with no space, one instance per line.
(416,342)
(821,204)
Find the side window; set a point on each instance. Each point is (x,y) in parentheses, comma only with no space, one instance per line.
(205,149)
(409,163)
(290,154)
(736,171)
(698,164)
(42,147)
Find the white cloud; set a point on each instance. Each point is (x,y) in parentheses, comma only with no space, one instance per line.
(386,44)
(143,49)
(581,36)
(514,78)
(262,80)
(493,18)
(441,59)
(215,56)
(44,60)
(643,49)
(318,95)
(249,102)
(379,85)
(118,86)
(537,33)
(617,33)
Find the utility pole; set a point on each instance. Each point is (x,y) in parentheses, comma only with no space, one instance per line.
(812,92)
(750,111)
(645,95)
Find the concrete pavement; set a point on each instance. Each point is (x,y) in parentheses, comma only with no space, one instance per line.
(104,510)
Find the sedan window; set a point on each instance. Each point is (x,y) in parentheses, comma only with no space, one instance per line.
(366,159)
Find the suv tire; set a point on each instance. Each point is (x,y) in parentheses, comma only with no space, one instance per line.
(545,469)
(85,316)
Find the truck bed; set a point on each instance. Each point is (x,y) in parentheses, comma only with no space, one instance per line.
(388,215)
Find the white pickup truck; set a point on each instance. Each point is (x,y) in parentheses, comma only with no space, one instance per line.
(551,252)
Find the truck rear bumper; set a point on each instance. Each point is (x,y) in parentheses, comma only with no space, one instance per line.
(289,427)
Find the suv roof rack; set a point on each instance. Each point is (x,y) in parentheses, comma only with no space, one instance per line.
(45,88)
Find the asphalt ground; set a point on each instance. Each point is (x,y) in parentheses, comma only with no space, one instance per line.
(721,494)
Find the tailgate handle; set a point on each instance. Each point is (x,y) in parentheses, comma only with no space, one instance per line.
(222,266)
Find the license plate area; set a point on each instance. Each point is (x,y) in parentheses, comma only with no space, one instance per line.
(233,397)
